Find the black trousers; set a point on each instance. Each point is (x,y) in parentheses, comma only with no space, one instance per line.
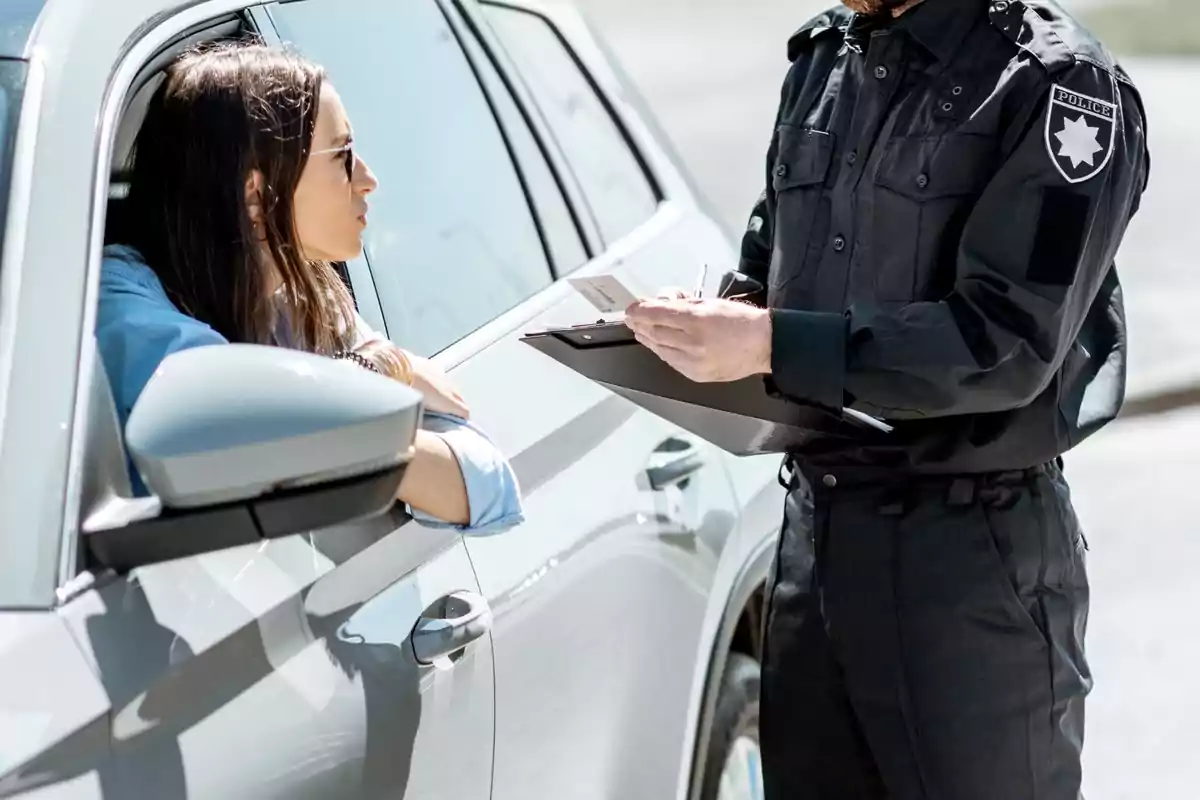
(924,640)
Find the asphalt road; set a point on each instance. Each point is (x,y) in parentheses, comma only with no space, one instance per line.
(711,70)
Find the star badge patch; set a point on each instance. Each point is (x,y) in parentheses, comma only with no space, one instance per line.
(1080,133)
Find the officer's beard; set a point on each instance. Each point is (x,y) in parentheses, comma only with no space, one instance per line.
(875,8)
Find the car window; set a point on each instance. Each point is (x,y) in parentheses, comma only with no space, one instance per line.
(12,80)
(559,226)
(451,239)
(616,186)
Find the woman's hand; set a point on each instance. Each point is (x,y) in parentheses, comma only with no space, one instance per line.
(440,395)
(420,373)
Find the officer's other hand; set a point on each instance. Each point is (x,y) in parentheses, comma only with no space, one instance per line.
(708,341)
(672,293)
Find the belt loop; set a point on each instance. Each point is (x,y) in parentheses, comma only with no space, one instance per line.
(961,492)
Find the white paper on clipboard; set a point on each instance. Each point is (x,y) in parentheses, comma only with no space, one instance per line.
(605,292)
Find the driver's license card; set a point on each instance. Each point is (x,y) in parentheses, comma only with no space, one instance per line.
(605,292)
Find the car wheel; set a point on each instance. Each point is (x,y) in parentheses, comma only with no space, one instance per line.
(733,767)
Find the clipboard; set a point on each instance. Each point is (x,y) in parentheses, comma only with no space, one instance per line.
(739,417)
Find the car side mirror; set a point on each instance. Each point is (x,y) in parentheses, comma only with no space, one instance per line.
(241,443)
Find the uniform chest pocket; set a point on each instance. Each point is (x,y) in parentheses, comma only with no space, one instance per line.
(925,190)
(803,158)
(798,179)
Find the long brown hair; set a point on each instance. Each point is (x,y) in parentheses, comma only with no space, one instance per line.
(222,112)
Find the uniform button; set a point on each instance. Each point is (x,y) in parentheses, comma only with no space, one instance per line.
(839,243)
(881,72)
(947,107)
(851,157)
(956,91)
(781,170)
(830,481)
(1000,6)
(922,180)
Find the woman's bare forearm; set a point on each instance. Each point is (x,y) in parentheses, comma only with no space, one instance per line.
(434,482)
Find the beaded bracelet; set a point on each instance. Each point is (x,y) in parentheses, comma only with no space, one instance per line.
(349,355)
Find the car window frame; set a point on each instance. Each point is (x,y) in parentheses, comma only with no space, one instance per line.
(474,25)
(519,168)
(151,42)
(648,174)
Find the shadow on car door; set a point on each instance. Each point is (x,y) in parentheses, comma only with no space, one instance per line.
(287,670)
(599,597)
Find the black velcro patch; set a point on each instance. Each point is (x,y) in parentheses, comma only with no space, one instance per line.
(1058,243)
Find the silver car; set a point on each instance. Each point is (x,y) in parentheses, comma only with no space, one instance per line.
(286,634)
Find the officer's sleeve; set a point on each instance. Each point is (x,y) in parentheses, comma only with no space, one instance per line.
(755,258)
(1031,259)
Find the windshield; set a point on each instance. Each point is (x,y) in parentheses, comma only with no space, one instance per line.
(12,80)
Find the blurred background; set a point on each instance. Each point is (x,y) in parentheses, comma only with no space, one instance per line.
(711,70)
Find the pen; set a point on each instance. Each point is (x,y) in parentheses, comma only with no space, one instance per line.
(700,282)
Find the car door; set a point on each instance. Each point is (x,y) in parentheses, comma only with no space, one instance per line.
(280,670)
(652,231)
(599,596)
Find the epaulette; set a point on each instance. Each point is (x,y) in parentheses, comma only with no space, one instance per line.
(1046,33)
(835,20)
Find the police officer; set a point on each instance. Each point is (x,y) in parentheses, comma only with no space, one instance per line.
(947,186)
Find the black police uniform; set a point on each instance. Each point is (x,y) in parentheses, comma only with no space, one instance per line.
(945,196)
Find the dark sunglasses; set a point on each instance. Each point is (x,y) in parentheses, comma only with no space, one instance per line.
(348,150)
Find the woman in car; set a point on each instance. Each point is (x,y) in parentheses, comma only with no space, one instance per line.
(245,188)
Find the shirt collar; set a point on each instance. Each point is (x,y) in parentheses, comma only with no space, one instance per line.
(857,32)
(941,26)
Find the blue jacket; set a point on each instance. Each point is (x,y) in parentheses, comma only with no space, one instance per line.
(137,326)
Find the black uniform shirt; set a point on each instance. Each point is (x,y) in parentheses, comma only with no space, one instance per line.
(945,196)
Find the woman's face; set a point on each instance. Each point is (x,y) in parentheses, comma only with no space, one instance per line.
(331,198)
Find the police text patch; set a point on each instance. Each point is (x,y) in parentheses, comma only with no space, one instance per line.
(1080,132)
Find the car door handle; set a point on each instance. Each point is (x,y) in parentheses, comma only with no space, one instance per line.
(673,462)
(449,625)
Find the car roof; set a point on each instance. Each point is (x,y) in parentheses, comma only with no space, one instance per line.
(18,18)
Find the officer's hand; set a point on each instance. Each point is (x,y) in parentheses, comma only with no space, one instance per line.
(708,341)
